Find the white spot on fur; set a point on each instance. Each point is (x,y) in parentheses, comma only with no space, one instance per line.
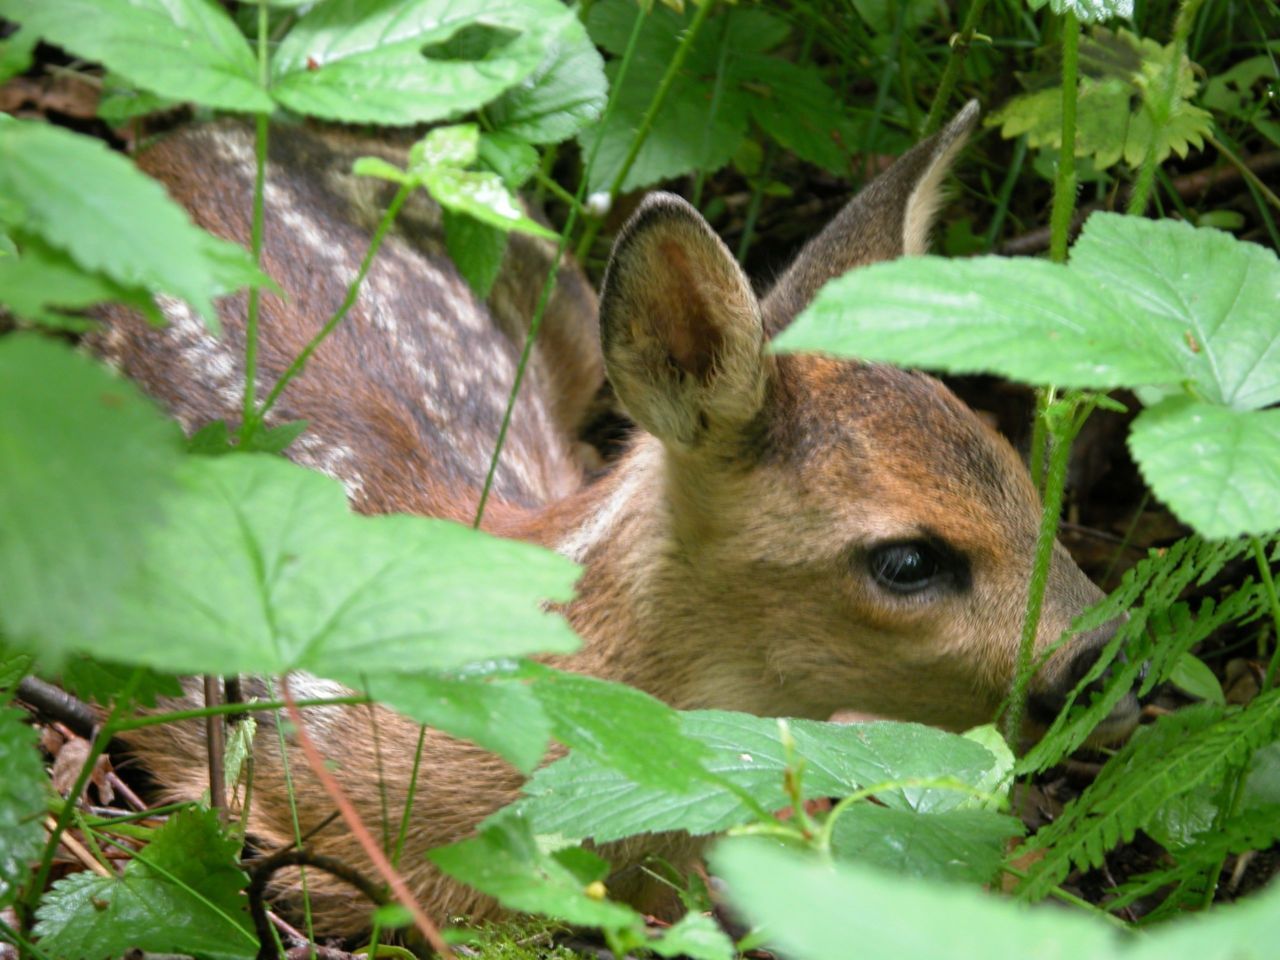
(600,525)
(336,460)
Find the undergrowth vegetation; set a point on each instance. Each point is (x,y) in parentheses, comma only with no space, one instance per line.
(130,556)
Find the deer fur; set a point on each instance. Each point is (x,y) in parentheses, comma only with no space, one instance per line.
(729,555)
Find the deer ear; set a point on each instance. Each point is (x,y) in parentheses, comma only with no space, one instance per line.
(680,325)
(889,218)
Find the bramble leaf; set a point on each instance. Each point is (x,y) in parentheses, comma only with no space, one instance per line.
(22,801)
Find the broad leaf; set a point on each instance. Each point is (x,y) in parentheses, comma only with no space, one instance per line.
(183,49)
(1087,11)
(476,249)
(98,681)
(565,93)
(505,861)
(962,845)
(1218,469)
(815,911)
(80,197)
(41,281)
(395,62)
(262,568)
(84,463)
(180,894)
(23,790)
(695,936)
(579,797)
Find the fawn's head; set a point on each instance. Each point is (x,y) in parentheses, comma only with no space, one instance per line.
(839,535)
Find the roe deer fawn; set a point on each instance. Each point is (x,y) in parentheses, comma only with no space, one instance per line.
(786,535)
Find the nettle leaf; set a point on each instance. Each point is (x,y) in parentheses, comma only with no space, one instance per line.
(1121,92)
(23,790)
(1217,468)
(579,797)
(395,63)
(815,911)
(262,568)
(1200,296)
(180,894)
(1141,302)
(85,460)
(505,861)
(1088,11)
(958,845)
(79,197)
(193,49)
(566,92)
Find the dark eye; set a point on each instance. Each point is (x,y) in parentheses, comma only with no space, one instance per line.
(907,567)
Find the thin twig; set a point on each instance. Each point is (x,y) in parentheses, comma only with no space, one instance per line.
(78,850)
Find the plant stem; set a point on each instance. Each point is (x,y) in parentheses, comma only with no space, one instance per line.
(249,417)
(1064,183)
(1245,172)
(1054,485)
(960,44)
(1161,107)
(548,284)
(647,121)
(353,291)
(225,709)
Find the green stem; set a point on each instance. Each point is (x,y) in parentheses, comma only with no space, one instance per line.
(1064,183)
(1245,172)
(224,709)
(1268,585)
(1040,436)
(647,121)
(353,291)
(753,209)
(13,937)
(1161,107)
(1054,485)
(960,44)
(548,284)
(1067,897)
(249,417)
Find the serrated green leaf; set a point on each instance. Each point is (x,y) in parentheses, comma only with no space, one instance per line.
(262,568)
(579,797)
(957,845)
(565,93)
(453,146)
(84,461)
(795,106)
(476,249)
(193,50)
(1088,11)
(503,717)
(482,196)
(371,61)
(504,861)
(882,15)
(97,681)
(23,789)
(815,911)
(181,893)
(1200,296)
(1218,469)
(41,279)
(80,197)
(121,101)
(509,157)
(695,936)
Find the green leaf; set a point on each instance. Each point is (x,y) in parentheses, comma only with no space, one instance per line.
(100,682)
(399,62)
(505,861)
(815,911)
(1088,11)
(957,845)
(509,157)
(1199,296)
(476,249)
(121,101)
(42,279)
(16,52)
(183,49)
(579,797)
(23,790)
(1218,469)
(180,894)
(262,568)
(794,106)
(565,93)
(503,717)
(482,196)
(620,727)
(454,146)
(1192,675)
(695,936)
(382,169)
(882,15)
(84,461)
(80,197)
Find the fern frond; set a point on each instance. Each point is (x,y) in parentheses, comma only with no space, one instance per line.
(1183,752)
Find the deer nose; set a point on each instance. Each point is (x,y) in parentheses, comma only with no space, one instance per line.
(1045,703)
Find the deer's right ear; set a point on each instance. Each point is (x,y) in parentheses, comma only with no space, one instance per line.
(681,329)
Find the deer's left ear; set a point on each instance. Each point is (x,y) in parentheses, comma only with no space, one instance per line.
(680,326)
(889,218)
